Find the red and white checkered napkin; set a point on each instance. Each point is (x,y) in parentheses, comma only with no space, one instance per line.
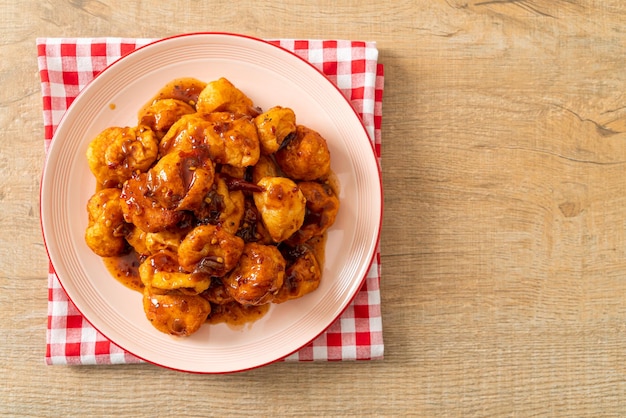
(66,65)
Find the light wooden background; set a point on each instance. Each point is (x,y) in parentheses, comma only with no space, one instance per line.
(503,248)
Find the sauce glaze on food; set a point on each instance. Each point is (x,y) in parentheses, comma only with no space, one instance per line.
(211,207)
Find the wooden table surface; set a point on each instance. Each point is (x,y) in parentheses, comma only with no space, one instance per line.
(503,243)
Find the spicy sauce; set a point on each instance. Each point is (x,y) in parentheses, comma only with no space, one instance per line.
(235,314)
(125,268)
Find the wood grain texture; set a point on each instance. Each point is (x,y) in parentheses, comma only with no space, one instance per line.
(503,244)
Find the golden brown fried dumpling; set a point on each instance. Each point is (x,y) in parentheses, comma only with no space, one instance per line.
(210,249)
(174,312)
(305,157)
(322,206)
(274,126)
(301,277)
(258,275)
(222,96)
(106,230)
(116,153)
(282,206)
(162,114)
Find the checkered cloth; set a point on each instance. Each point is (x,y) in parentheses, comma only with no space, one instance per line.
(66,65)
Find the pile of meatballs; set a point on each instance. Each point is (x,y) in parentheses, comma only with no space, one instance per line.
(224,204)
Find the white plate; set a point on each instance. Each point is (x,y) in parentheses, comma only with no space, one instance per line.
(270,76)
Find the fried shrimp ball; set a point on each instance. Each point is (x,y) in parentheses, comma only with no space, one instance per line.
(322,206)
(282,206)
(162,271)
(222,96)
(106,230)
(301,277)
(228,138)
(274,126)
(162,114)
(165,240)
(185,134)
(258,275)
(305,156)
(137,239)
(232,139)
(181,179)
(265,167)
(147,243)
(142,210)
(116,153)
(222,206)
(186,89)
(175,313)
(210,249)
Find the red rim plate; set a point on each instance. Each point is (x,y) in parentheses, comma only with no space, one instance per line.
(270,76)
